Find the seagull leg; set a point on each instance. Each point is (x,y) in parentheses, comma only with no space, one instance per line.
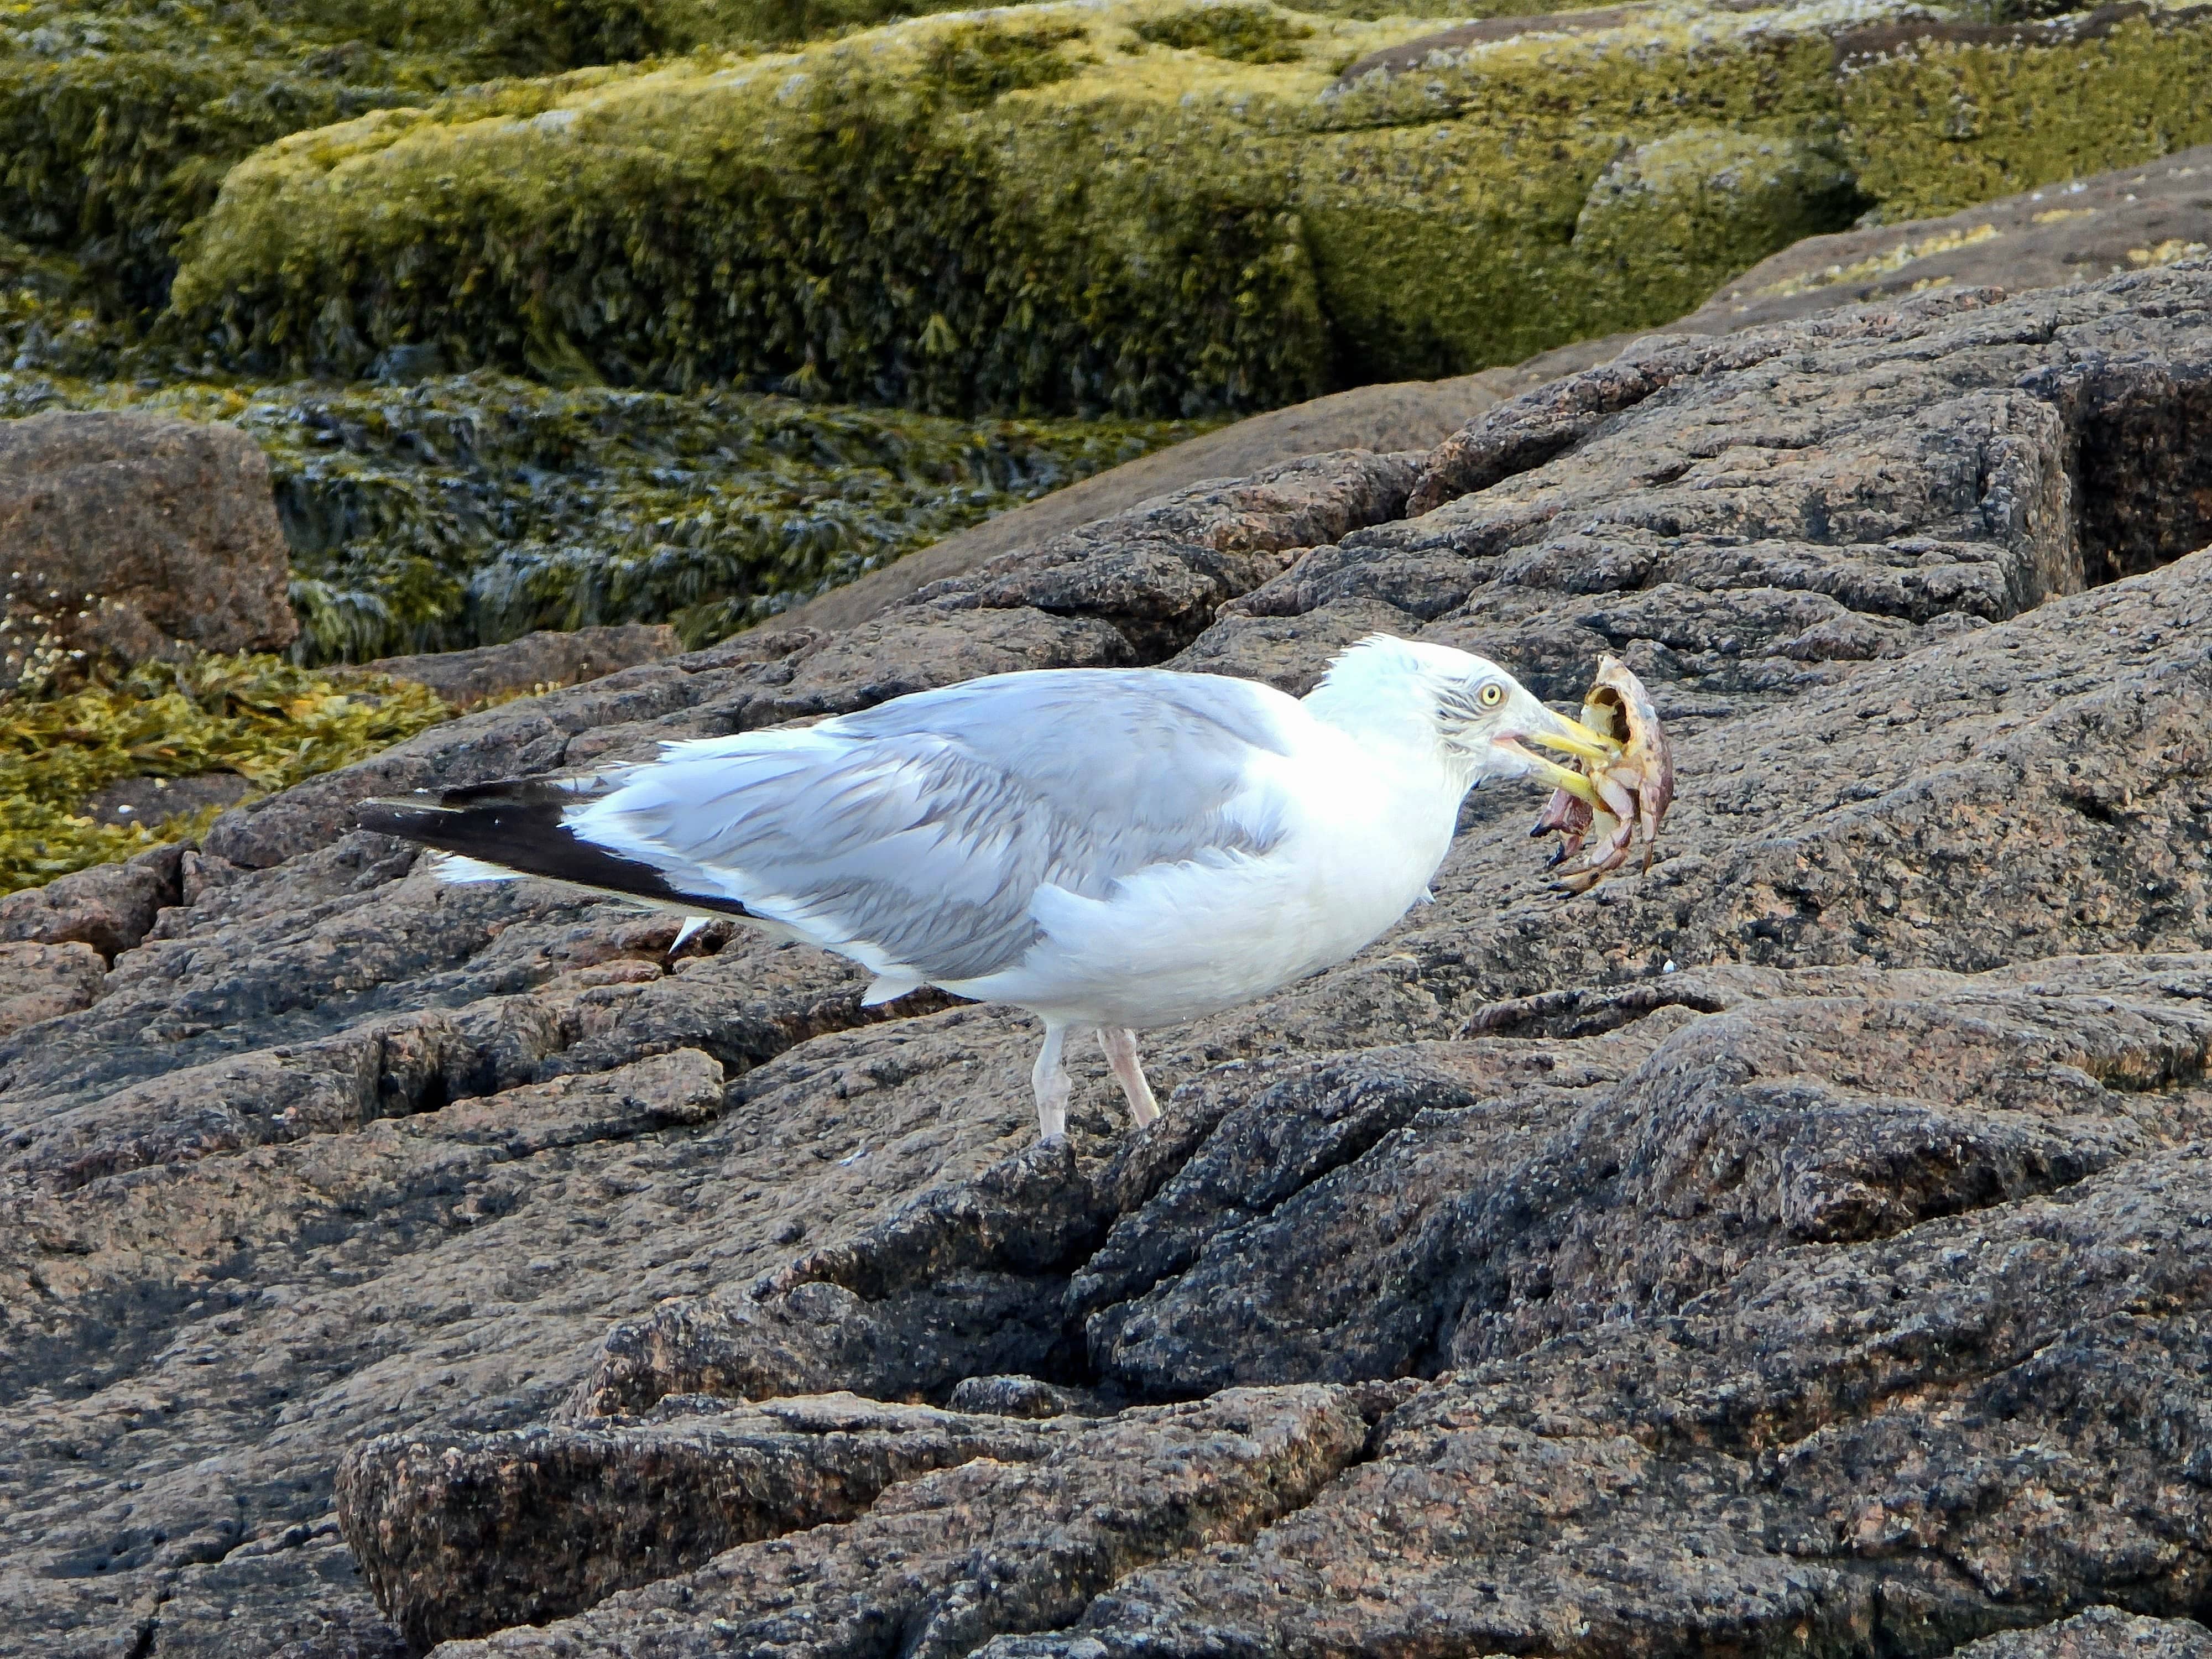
(1121,1046)
(1053,1088)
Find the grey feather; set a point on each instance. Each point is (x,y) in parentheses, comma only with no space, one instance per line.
(923,827)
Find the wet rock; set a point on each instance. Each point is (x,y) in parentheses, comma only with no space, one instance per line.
(536,662)
(126,534)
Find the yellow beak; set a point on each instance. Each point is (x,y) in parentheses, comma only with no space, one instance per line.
(1563,777)
(1576,739)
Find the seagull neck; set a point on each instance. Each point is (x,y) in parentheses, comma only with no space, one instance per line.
(1380,716)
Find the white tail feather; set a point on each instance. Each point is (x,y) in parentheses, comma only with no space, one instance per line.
(452,867)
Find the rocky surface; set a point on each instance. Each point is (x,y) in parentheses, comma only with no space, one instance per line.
(1799,1248)
(1405,415)
(127,534)
(44,982)
(462,1536)
(2128,219)
(541,661)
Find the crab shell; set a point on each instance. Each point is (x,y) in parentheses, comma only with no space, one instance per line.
(1641,780)
(1618,706)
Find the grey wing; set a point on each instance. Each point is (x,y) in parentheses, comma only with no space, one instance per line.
(912,837)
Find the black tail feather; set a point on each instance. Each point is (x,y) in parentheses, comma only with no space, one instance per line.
(517,823)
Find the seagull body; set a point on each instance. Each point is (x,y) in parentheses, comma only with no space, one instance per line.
(1115,850)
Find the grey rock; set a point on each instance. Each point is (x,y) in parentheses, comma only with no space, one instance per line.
(1795,1246)
(942,1564)
(127,534)
(536,662)
(464,1534)
(2098,1633)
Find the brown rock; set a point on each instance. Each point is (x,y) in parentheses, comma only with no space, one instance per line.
(44,982)
(537,662)
(128,534)
(462,1535)
(954,1558)
(110,907)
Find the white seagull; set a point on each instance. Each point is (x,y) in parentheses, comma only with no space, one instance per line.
(1115,849)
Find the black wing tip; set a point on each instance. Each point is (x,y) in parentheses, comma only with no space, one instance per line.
(415,817)
(519,826)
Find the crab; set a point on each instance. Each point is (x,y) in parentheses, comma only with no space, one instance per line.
(1598,810)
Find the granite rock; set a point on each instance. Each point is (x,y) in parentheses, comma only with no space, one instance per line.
(1800,1247)
(130,535)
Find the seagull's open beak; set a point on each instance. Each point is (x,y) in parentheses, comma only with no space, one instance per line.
(1556,731)
(1574,737)
(1560,733)
(1559,776)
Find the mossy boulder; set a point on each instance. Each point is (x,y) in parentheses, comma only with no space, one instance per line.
(1133,206)
(1936,118)
(1659,219)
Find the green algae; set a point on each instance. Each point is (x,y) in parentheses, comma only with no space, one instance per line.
(262,718)
(1129,227)
(1934,126)
(1243,35)
(1134,206)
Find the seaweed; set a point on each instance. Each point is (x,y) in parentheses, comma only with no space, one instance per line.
(260,717)
(459,510)
(1940,121)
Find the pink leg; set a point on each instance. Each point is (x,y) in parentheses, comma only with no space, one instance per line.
(1121,1046)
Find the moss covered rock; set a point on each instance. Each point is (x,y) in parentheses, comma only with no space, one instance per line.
(1134,206)
(1940,117)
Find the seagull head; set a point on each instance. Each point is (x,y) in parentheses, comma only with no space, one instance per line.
(1477,718)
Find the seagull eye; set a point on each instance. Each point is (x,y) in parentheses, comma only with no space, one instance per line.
(1491,695)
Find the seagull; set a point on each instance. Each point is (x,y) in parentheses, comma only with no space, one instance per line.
(1112,850)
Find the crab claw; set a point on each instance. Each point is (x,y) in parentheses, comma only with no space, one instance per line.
(1567,815)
